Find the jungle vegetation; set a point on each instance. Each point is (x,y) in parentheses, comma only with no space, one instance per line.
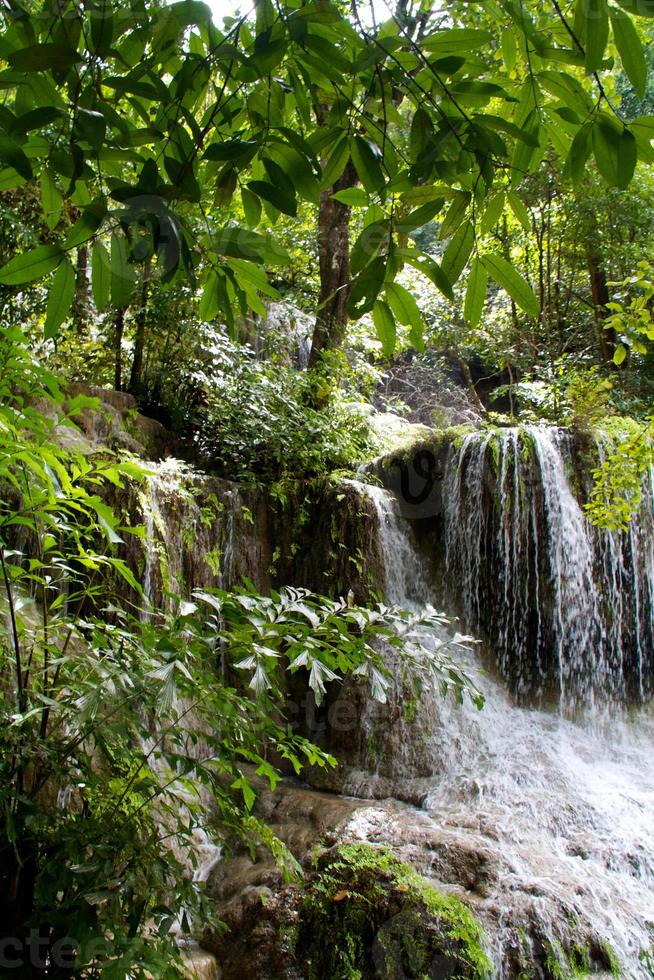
(461,183)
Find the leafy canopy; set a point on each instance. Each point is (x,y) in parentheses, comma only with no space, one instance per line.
(152,123)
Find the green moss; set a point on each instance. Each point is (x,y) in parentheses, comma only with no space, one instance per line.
(576,961)
(365,914)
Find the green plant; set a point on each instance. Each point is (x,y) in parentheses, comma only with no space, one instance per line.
(256,421)
(618,480)
(631,316)
(116,733)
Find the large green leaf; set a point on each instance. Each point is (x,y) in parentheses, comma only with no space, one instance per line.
(51,200)
(385,326)
(458,252)
(336,163)
(43,57)
(475,292)
(615,151)
(32,265)
(100,276)
(595,16)
(13,156)
(366,288)
(630,50)
(85,227)
(60,298)
(275,195)
(518,288)
(367,164)
(122,273)
(433,271)
(455,214)
(492,212)
(406,311)
(455,40)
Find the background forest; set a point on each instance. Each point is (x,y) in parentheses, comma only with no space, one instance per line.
(274,233)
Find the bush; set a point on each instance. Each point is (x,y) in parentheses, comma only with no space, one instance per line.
(258,421)
(120,738)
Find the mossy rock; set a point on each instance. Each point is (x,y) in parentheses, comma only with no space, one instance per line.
(365,915)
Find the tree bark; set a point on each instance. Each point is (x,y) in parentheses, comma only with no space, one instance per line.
(139,340)
(119,326)
(600,295)
(334,260)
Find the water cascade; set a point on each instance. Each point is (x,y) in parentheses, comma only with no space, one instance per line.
(566,609)
(558,812)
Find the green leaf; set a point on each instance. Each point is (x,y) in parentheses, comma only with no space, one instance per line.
(642,8)
(43,57)
(595,17)
(32,265)
(615,150)
(90,127)
(353,197)
(60,298)
(51,200)
(619,354)
(212,293)
(275,195)
(242,150)
(368,244)
(475,292)
(433,271)
(100,276)
(458,252)
(455,40)
(336,163)
(85,227)
(251,207)
(13,156)
(509,48)
(630,50)
(385,326)
(520,210)
(492,212)
(580,150)
(102,27)
(455,214)
(419,217)
(122,273)
(518,289)
(367,164)
(406,311)
(366,287)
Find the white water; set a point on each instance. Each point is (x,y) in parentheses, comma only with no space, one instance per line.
(565,810)
(567,609)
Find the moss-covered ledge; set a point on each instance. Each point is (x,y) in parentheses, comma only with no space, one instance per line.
(414,472)
(364,913)
(359,913)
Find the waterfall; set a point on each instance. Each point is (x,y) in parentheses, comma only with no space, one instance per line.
(198,533)
(404,572)
(557,812)
(566,608)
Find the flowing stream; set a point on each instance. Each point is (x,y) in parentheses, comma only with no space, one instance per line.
(563,808)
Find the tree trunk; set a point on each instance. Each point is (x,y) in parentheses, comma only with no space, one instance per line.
(600,295)
(119,326)
(139,340)
(334,258)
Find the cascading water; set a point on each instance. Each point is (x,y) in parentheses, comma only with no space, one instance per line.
(566,609)
(558,813)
